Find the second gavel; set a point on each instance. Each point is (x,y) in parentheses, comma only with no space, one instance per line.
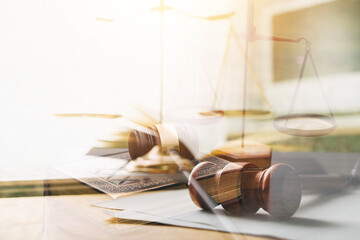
(242,188)
(167,136)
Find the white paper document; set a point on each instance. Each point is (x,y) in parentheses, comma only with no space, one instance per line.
(319,216)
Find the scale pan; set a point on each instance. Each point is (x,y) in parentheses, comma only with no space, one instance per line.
(239,113)
(305,125)
(195,115)
(88,115)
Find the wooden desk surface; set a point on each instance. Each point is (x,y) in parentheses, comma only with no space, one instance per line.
(72,217)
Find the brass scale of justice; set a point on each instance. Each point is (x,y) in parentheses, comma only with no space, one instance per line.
(296,124)
(302,124)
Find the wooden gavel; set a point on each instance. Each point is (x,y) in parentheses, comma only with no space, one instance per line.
(242,188)
(167,136)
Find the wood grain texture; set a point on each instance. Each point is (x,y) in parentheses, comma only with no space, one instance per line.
(72,217)
(242,188)
(253,152)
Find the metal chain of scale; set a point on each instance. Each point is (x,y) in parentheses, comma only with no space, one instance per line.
(306,124)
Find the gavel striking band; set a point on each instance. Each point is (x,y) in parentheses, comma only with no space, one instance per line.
(242,188)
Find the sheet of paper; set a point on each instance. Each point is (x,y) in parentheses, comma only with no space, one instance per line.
(163,203)
(130,215)
(330,216)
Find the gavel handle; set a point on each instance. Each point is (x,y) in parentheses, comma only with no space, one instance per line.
(220,216)
(317,183)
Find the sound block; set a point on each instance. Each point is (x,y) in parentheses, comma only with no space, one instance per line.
(253,152)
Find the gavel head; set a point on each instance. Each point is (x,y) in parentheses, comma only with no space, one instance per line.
(242,188)
(180,137)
